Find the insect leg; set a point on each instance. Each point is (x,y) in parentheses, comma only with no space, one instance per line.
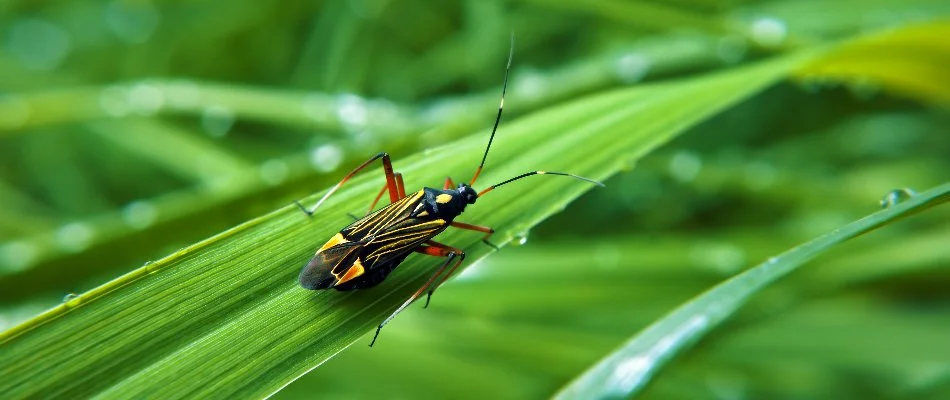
(436,248)
(387,169)
(430,250)
(376,199)
(484,229)
(400,186)
(400,189)
(448,183)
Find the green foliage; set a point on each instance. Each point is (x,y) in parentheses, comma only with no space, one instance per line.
(132,129)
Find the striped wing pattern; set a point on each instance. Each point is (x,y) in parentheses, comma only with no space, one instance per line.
(371,242)
(392,231)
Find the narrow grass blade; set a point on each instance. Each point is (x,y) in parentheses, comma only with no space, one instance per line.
(627,370)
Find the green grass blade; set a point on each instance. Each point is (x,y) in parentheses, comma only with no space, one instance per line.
(225,317)
(627,370)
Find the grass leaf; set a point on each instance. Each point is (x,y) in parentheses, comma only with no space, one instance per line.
(626,371)
(226,317)
(910,61)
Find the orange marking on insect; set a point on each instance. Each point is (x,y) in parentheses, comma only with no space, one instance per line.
(354,271)
(335,240)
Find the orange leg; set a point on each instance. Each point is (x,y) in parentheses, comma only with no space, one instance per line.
(432,249)
(400,186)
(484,229)
(390,182)
(400,189)
(448,183)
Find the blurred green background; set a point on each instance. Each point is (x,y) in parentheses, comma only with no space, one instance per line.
(130,129)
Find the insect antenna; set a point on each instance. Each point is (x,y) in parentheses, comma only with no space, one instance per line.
(501,105)
(527,174)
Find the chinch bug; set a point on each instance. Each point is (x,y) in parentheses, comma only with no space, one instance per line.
(367,250)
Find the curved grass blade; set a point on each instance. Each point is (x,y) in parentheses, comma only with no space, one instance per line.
(628,369)
(225,317)
(910,61)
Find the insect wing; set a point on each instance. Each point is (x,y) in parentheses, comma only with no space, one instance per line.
(329,265)
(379,240)
(393,231)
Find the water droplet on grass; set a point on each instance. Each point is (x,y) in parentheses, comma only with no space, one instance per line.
(521,238)
(72,300)
(897,196)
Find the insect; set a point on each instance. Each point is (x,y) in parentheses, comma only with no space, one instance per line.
(365,252)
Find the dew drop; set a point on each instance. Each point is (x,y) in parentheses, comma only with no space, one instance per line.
(150,266)
(897,196)
(520,238)
(72,300)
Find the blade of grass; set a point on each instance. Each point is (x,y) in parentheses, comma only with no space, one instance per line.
(627,370)
(910,61)
(226,316)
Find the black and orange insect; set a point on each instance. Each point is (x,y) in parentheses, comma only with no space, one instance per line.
(365,252)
